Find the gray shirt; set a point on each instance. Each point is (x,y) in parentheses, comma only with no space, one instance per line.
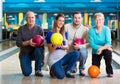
(25,34)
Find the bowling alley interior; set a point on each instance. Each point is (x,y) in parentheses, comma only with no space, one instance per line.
(13,15)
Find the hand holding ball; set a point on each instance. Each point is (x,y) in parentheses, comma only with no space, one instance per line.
(56,39)
(38,40)
(78,41)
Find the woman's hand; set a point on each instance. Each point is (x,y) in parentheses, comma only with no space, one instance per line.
(110,49)
(56,46)
(99,51)
(101,48)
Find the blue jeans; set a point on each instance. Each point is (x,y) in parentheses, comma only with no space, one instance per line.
(69,61)
(25,61)
(83,58)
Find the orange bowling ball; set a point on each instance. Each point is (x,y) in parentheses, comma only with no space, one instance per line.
(93,71)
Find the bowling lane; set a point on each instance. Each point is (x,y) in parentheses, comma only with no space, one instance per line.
(7,44)
(10,73)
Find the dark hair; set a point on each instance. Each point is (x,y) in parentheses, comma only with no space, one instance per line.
(59,15)
(76,12)
(55,24)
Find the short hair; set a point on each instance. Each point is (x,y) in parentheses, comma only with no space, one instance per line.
(29,12)
(99,14)
(77,12)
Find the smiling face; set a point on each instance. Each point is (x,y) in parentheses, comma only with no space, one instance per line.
(99,20)
(60,22)
(77,19)
(58,25)
(30,18)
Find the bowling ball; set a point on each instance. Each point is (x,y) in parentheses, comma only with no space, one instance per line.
(56,39)
(93,71)
(78,41)
(38,40)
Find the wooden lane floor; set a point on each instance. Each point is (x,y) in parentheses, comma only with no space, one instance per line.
(7,44)
(10,73)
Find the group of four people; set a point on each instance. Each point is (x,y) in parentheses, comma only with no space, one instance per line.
(62,58)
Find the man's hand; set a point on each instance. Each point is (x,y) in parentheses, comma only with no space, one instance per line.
(76,46)
(31,43)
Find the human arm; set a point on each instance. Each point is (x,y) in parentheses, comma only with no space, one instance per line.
(65,42)
(28,36)
(83,41)
(107,41)
(91,35)
(50,46)
(23,39)
(64,46)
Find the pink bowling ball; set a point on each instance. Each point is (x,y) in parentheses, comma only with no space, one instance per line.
(78,41)
(38,40)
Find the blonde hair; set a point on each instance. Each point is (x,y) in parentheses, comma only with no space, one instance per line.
(99,14)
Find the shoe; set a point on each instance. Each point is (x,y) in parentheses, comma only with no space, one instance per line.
(82,73)
(110,75)
(51,74)
(74,70)
(26,75)
(69,75)
(38,73)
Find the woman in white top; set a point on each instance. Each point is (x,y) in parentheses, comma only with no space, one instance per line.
(57,53)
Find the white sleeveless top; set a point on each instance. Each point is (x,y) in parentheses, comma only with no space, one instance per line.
(55,56)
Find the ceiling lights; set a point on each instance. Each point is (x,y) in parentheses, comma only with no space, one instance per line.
(95,0)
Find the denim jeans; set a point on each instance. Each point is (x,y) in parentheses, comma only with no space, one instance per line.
(83,58)
(68,60)
(25,61)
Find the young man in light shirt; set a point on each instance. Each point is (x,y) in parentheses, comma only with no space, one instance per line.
(77,30)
